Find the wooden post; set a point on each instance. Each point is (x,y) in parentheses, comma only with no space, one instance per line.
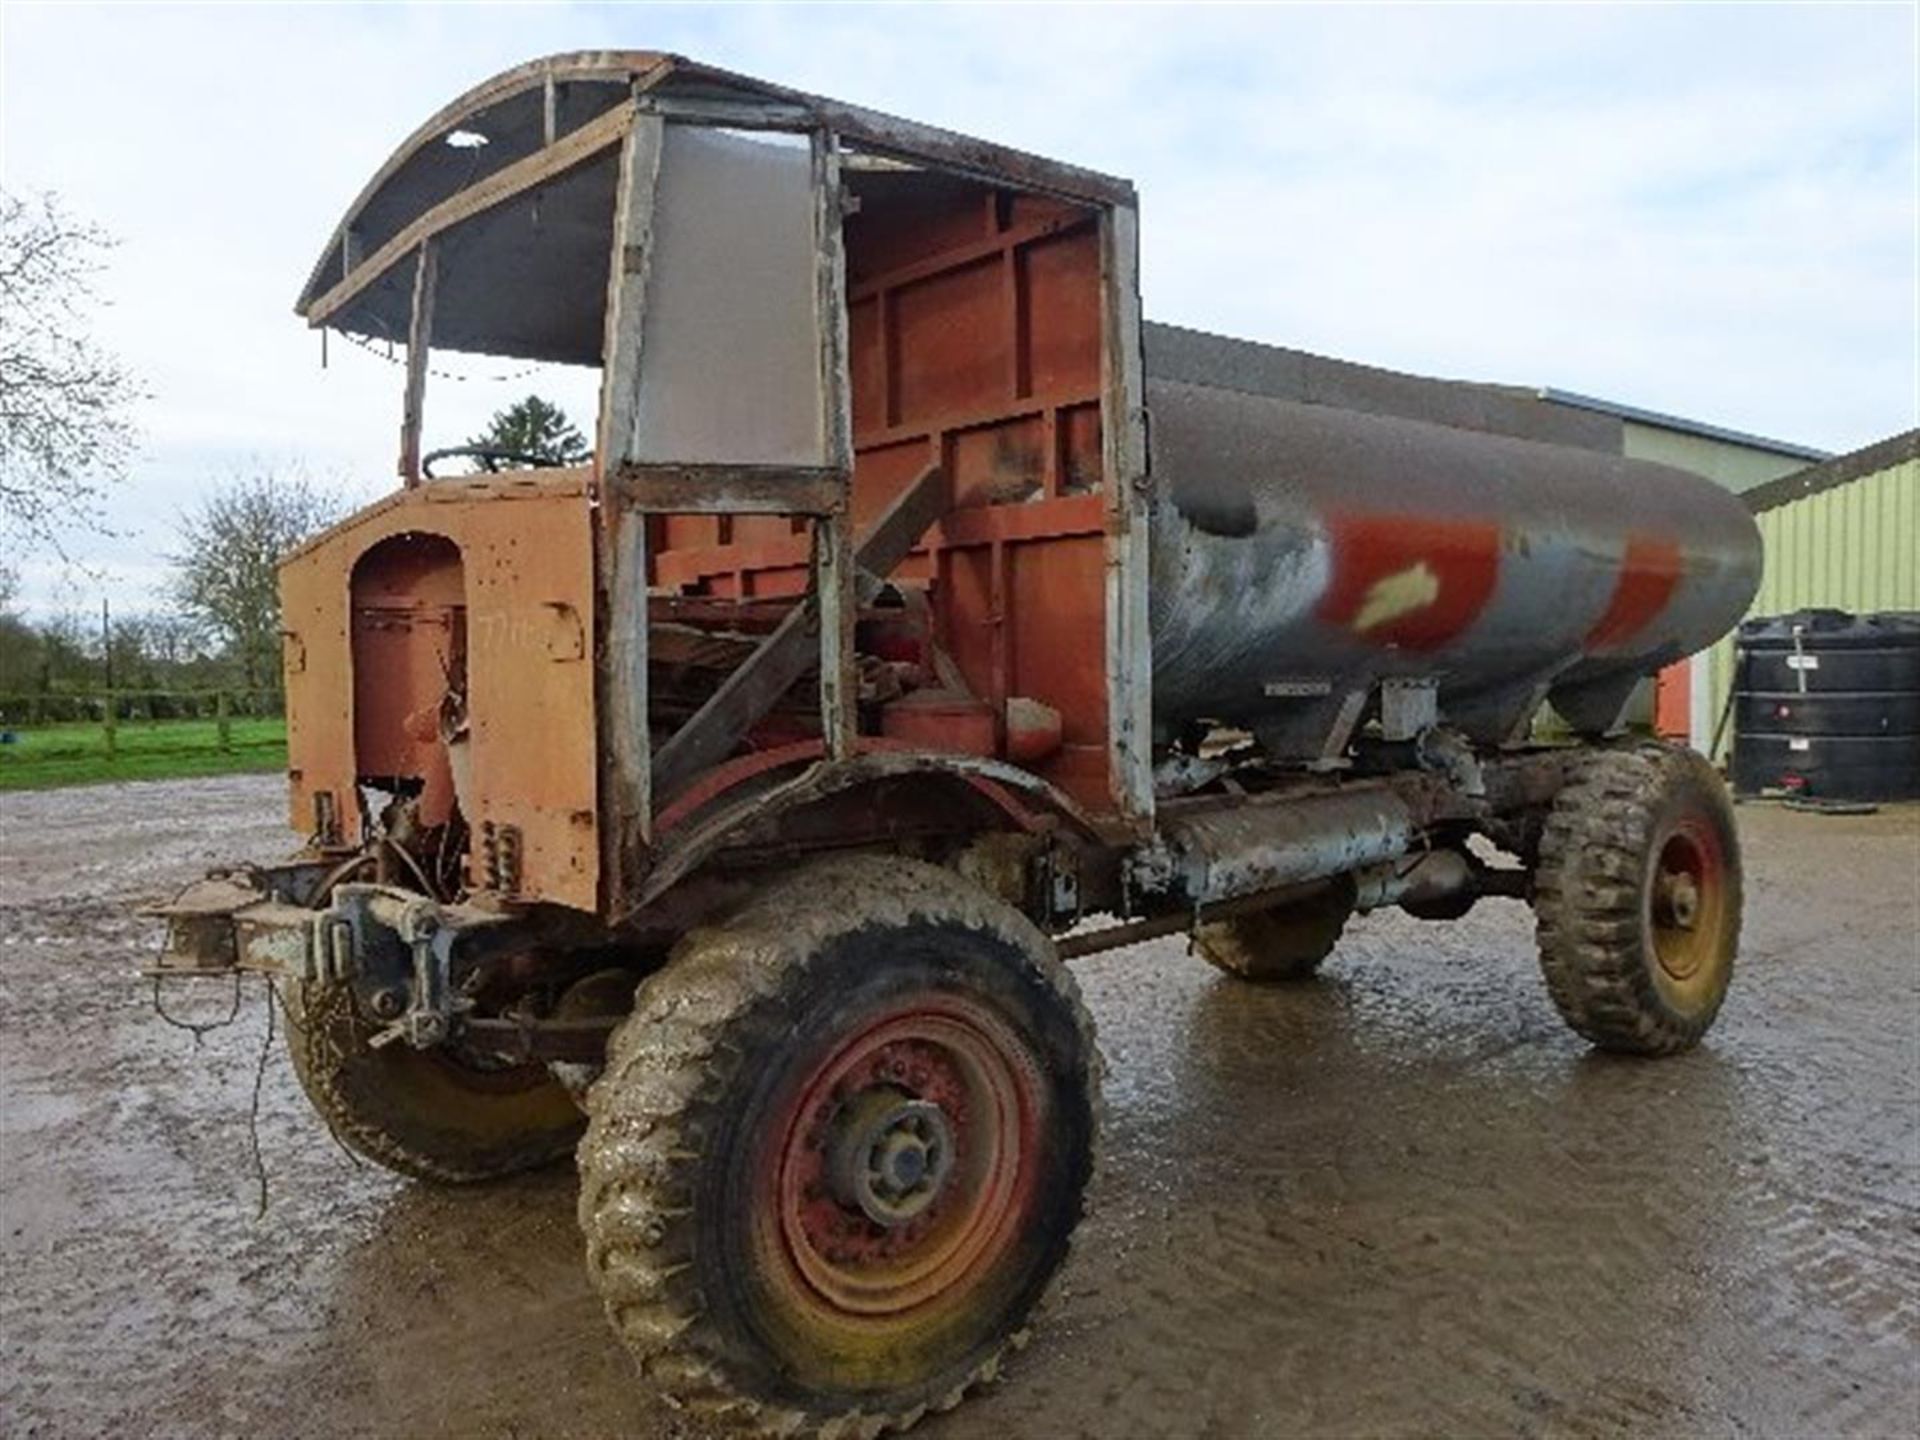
(628,765)
(833,583)
(419,344)
(112,722)
(833,540)
(223,718)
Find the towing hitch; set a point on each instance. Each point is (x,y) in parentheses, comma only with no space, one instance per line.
(395,948)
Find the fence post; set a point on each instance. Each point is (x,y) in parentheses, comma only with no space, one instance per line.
(113,739)
(224,717)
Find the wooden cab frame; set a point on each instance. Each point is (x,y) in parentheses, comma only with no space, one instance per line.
(730,400)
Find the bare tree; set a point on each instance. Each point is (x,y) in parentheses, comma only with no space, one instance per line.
(65,432)
(225,569)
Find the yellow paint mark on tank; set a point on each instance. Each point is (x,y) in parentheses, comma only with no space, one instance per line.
(1398,594)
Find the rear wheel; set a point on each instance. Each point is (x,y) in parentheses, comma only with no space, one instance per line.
(430,1114)
(1286,943)
(1637,900)
(838,1151)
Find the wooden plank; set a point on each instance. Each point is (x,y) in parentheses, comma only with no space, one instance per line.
(830,305)
(833,557)
(511,180)
(627,278)
(784,656)
(908,139)
(627,770)
(1129,653)
(729,114)
(900,527)
(727,489)
(419,347)
(833,587)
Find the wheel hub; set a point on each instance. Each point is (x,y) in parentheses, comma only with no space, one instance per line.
(1686,903)
(1680,899)
(905,1163)
(891,1156)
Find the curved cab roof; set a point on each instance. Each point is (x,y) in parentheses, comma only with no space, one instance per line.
(518,180)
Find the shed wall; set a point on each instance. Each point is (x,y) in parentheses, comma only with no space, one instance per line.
(1854,547)
(1738,467)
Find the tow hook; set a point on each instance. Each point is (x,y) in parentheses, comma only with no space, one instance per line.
(417,922)
(231,923)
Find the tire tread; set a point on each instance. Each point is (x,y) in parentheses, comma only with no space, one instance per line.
(674,1058)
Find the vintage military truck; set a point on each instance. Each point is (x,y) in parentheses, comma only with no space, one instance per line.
(723,810)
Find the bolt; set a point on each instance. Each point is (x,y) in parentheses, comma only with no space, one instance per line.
(388,1002)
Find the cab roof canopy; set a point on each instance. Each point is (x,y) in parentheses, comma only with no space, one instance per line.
(516,183)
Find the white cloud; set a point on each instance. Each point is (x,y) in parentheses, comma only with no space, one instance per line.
(1706,210)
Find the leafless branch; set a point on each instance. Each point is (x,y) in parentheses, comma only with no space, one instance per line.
(65,432)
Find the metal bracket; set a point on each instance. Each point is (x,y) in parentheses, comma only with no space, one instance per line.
(417,921)
(1408,707)
(1333,747)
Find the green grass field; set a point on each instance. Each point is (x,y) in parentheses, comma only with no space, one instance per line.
(51,755)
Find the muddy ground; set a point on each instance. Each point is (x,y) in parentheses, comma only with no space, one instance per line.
(1401,1201)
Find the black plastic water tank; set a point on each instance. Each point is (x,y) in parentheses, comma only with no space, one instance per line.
(1827,704)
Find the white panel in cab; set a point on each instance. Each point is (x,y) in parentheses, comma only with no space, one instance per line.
(730,357)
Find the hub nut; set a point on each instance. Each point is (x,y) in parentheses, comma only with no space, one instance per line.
(891,1156)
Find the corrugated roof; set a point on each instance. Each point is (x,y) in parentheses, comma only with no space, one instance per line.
(1841,470)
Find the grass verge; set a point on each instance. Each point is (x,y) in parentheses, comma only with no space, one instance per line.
(55,755)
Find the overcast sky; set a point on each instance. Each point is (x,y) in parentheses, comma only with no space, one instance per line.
(1706,210)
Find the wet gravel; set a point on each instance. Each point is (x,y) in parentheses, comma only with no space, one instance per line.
(1403,1200)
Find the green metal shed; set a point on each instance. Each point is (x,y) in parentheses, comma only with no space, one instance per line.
(1843,534)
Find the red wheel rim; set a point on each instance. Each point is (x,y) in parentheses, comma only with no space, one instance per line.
(939,1091)
(1688,907)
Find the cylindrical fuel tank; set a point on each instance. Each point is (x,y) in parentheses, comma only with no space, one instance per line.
(1302,554)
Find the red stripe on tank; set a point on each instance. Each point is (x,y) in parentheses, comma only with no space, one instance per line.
(1649,571)
(1409,581)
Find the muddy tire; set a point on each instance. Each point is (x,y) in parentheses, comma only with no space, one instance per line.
(422,1113)
(1637,900)
(839,1150)
(1277,946)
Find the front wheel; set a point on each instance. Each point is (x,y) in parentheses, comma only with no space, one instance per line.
(1637,900)
(838,1151)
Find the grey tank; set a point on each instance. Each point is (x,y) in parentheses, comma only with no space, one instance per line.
(1303,553)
